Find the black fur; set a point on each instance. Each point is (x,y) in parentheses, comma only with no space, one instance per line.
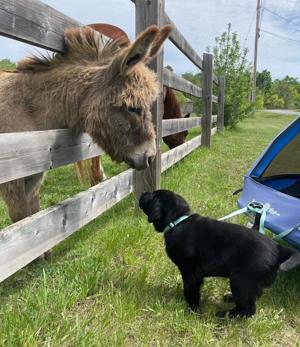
(204,247)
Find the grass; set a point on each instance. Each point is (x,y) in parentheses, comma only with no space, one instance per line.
(111,284)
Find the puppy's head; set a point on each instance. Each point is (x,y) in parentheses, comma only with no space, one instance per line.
(163,207)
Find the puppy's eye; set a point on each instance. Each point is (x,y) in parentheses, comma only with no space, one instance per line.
(136,110)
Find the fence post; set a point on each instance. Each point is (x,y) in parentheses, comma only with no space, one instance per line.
(148,13)
(221,101)
(207,92)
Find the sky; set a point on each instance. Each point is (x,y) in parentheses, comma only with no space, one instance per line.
(200,21)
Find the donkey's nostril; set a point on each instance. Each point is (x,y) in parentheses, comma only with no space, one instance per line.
(150,160)
(141,161)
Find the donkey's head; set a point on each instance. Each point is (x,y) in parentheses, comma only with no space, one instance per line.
(104,88)
(119,117)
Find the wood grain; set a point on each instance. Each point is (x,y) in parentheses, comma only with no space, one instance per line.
(26,153)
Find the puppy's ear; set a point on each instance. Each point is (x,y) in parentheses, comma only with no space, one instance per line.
(154,214)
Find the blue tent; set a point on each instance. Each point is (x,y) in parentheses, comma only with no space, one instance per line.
(274,181)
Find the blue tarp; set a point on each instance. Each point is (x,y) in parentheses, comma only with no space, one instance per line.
(284,209)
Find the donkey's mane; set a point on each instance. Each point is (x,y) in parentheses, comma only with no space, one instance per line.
(82,46)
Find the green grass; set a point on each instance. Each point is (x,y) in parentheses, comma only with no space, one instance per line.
(111,284)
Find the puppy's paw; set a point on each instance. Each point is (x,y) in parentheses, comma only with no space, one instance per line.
(222,314)
(234,313)
(228,297)
(194,309)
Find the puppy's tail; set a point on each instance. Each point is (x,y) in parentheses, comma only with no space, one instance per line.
(292,261)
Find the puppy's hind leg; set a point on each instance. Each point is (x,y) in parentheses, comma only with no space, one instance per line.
(245,290)
(191,285)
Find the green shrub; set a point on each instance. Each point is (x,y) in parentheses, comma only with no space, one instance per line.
(259,102)
(274,101)
(6,64)
(230,60)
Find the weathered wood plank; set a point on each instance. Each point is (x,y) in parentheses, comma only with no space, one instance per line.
(26,153)
(34,22)
(213,131)
(220,122)
(207,98)
(171,157)
(173,126)
(215,99)
(182,44)
(24,241)
(147,13)
(170,79)
(174,155)
(187,107)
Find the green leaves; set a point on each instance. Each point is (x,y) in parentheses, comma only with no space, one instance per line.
(6,64)
(230,60)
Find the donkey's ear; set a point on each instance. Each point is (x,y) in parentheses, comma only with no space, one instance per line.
(160,39)
(139,50)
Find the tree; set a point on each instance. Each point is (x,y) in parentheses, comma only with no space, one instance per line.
(169,67)
(231,61)
(264,81)
(6,64)
(274,101)
(284,93)
(287,89)
(259,101)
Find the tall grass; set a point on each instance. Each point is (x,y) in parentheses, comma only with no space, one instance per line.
(111,284)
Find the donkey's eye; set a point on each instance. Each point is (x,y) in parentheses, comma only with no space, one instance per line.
(137,110)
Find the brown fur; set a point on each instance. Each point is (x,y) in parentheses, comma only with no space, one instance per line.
(172,110)
(92,168)
(89,88)
(112,32)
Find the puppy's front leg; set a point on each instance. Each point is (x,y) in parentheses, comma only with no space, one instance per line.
(191,285)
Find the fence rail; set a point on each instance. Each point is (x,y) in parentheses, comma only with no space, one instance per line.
(182,44)
(24,154)
(34,22)
(170,79)
(174,126)
(27,239)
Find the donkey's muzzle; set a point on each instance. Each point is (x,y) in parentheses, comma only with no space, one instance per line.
(142,156)
(140,161)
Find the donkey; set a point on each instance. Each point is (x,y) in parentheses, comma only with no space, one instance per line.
(96,86)
(93,168)
(172,110)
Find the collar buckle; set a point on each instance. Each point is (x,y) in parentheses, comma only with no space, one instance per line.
(173,224)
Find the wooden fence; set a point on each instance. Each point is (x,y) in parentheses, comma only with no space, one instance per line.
(27,153)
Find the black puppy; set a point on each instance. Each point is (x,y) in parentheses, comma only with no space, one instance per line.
(203,247)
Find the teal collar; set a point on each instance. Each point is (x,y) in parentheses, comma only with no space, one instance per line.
(173,224)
